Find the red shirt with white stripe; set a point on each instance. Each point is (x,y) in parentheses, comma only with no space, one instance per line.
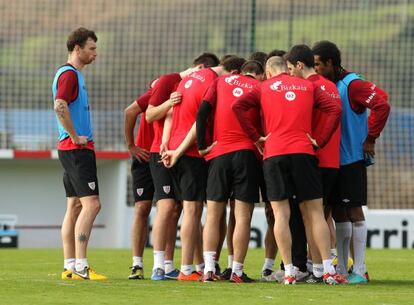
(328,156)
(227,130)
(193,88)
(287,104)
(161,92)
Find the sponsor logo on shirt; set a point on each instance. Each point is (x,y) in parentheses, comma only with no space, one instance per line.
(290,96)
(238,92)
(92,185)
(369,99)
(234,80)
(198,76)
(188,84)
(279,87)
(140,191)
(323,88)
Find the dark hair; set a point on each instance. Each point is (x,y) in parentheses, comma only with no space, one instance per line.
(207,59)
(327,50)
(233,63)
(300,52)
(79,37)
(258,56)
(276,52)
(252,66)
(227,56)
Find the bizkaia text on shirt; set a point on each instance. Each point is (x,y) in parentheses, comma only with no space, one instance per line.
(234,80)
(279,87)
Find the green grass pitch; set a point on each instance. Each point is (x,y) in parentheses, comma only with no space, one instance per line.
(33,277)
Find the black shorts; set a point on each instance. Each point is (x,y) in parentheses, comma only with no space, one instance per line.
(235,172)
(142,185)
(329,176)
(79,178)
(190,178)
(292,175)
(262,183)
(163,183)
(350,188)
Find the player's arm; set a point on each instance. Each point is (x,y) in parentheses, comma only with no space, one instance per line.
(240,107)
(166,132)
(130,117)
(332,109)
(62,111)
(206,107)
(366,94)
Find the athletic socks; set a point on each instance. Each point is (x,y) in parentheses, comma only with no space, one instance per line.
(200,267)
(343,240)
(359,241)
(334,252)
(187,269)
(169,266)
(159,260)
(309,265)
(237,268)
(137,261)
(69,264)
(289,270)
(328,267)
(268,264)
(209,261)
(81,263)
(230,261)
(317,270)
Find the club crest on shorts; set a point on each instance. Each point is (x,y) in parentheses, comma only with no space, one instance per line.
(140,191)
(92,185)
(166,189)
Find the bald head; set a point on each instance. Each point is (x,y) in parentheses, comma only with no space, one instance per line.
(275,65)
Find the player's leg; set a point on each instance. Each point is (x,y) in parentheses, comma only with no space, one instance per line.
(211,237)
(139,233)
(170,271)
(223,232)
(270,247)
(73,209)
(198,259)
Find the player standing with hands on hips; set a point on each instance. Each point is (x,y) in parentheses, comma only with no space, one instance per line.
(76,154)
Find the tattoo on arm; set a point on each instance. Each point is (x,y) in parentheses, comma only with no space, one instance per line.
(60,109)
(83,238)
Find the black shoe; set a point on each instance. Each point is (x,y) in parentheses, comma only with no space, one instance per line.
(218,269)
(226,274)
(241,279)
(312,279)
(137,273)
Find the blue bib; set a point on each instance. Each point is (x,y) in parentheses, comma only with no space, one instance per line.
(354,126)
(79,108)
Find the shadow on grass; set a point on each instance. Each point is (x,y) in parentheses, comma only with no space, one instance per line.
(399,283)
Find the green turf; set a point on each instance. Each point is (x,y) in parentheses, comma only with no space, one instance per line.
(33,277)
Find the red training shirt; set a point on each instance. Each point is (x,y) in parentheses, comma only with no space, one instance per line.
(145,135)
(227,130)
(193,88)
(161,92)
(287,103)
(328,156)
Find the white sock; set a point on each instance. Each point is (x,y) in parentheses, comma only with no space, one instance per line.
(69,264)
(159,260)
(237,268)
(81,263)
(328,267)
(187,269)
(169,266)
(309,265)
(318,270)
(209,261)
(359,241)
(333,252)
(268,264)
(137,261)
(230,261)
(200,267)
(289,270)
(343,241)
